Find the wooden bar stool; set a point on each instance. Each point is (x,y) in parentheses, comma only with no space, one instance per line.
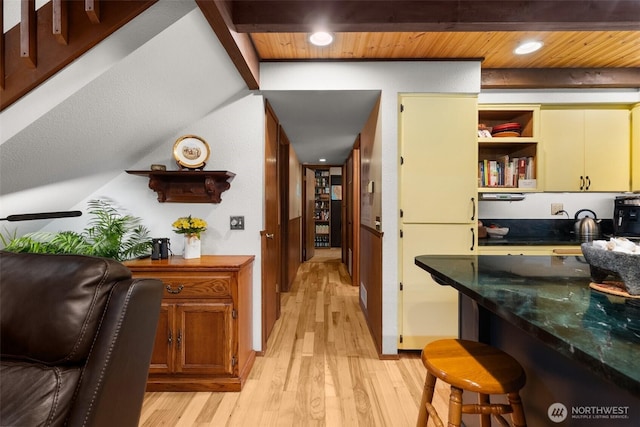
(476,367)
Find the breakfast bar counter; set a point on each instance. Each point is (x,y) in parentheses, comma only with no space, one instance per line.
(568,336)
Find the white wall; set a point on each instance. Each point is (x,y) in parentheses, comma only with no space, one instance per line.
(136,102)
(538,206)
(232,129)
(391,78)
(89,66)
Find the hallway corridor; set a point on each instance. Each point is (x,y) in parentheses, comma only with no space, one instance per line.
(320,368)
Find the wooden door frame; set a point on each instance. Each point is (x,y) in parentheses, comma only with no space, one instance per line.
(283,214)
(352,194)
(308,229)
(264,234)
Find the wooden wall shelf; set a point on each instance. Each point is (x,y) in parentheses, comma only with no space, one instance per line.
(188,186)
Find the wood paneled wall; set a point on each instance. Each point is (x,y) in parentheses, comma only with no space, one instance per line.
(290,176)
(371,281)
(294,249)
(370,271)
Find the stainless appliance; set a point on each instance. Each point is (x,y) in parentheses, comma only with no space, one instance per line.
(626,216)
(587,228)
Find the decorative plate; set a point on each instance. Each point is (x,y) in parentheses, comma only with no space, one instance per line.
(191,152)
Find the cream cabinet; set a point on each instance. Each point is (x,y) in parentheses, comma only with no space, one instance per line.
(438,211)
(429,310)
(635,148)
(587,149)
(438,159)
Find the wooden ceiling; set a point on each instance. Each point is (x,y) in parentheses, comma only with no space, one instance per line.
(587,43)
(566,49)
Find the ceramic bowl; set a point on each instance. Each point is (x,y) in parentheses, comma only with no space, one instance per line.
(498,232)
(604,263)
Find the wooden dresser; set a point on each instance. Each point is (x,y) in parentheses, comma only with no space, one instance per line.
(204,339)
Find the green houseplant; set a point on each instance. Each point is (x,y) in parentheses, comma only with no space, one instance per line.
(109,234)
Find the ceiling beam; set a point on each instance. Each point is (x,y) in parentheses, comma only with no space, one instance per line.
(238,46)
(251,16)
(556,78)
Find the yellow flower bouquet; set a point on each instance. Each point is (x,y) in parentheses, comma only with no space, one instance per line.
(189,226)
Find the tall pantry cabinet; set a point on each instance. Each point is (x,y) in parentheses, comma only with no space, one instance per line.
(438,207)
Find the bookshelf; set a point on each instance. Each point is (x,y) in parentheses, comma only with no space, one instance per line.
(322,208)
(511,162)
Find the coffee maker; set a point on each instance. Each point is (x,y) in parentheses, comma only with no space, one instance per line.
(626,216)
(160,248)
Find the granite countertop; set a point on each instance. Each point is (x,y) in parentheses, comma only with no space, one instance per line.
(549,298)
(539,232)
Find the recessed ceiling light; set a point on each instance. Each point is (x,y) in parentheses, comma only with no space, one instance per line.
(321,38)
(528,47)
(322,160)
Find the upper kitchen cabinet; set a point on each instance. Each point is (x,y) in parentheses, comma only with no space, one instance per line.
(587,149)
(508,150)
(438,182)
(635,148)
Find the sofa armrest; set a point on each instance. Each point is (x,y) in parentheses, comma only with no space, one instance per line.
(112,386)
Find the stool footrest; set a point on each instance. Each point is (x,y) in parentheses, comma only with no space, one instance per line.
(490,409)
(434,415)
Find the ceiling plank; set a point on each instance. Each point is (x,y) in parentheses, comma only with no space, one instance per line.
(556,78)
(238,46)
(434,15)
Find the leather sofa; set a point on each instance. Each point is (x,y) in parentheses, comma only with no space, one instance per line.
(76,336)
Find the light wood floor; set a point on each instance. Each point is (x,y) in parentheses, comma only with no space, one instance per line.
(320,368)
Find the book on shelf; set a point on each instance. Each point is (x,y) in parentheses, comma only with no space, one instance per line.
(505,171)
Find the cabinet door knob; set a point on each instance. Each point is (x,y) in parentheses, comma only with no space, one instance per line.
(174,291)
(581,183)
(179,340)
(588,183)
(269,236)
(170,338)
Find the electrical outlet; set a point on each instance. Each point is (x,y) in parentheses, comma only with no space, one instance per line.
(236,223)
(556,208)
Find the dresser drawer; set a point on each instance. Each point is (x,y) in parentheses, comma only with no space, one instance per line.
(195,285)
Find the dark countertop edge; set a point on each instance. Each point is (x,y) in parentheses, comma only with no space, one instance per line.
(506,242)
(589,362)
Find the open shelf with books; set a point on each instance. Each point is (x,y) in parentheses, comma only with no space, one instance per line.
(508,149)
(322,208)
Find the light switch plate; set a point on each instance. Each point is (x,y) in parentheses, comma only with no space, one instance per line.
(236,222)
